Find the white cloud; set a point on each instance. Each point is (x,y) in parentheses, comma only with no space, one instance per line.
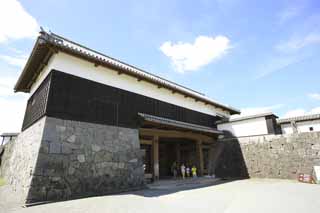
(19,60)
(315,110)
(315,96)
(257,110)
(11,114)
(297,43)
(294,113)
(301,112)
(276,64)
(16,22)
(12,105)
(6,86)
(188,56)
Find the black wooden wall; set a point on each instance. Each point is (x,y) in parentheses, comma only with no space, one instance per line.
(74,98)
(36,105)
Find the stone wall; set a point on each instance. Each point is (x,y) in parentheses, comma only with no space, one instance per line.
(271,156)
(78,159)
(20,157)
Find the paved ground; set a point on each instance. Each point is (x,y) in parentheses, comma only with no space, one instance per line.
(243,196)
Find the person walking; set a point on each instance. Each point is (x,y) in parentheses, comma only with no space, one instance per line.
(183,170)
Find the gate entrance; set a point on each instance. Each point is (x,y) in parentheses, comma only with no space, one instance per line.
(167,141)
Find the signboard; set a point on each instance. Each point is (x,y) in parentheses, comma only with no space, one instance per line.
(316,174)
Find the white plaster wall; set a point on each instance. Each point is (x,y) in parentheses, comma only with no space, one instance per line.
(249,127)
(79,67)
(302,126)
(286,129)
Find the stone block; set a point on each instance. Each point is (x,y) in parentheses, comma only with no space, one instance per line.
(103,156)
(120,165)
(71,170)
(135,160)
(95,148)
(72,138)
(54,148)
(66,148)
(81,158)
(315,146)
(60,128)
(55,179)
(44,147)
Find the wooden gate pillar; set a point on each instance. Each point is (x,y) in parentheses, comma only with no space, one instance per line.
(178,154)
(155,148)
(199,157)
(211,160)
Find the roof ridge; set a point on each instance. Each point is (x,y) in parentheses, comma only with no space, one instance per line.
(298,118)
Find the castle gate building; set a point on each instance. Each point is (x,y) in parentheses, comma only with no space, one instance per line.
(96,125)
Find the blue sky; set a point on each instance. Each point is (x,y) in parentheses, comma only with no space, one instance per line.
(253,55)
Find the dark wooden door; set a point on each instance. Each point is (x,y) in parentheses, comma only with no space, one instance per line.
(166,158)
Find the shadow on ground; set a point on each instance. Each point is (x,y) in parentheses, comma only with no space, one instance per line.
(162,191)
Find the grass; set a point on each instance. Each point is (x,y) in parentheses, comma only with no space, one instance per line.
(2,182)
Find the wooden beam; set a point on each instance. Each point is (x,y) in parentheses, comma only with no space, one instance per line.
(53,49)
(148,142)
(175,134)
(41,66)
(155,150)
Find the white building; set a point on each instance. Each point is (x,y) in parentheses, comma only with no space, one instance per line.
(251,125)
(267,123)
(110,123)
(307,123)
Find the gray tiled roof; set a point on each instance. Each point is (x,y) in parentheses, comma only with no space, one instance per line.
(9,134)
(241,118)
(56,41)
(299,118)
(180,124)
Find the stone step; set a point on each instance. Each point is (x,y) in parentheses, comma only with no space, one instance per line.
(187,183)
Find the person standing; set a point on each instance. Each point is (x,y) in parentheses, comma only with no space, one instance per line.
(188,171)
(194,171)
(183,170)
(174,170)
